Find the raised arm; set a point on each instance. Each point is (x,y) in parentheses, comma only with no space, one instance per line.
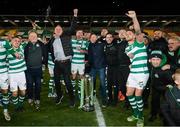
(73,22)
(139,35)
(132,15)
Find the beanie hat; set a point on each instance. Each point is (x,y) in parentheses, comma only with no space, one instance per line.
(156,54)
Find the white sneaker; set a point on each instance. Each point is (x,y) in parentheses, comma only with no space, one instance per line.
(7,116)
(140,122)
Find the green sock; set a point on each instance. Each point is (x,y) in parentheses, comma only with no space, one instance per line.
(133,104)
(140,104)
(15,101)
(21,100)
(5,100)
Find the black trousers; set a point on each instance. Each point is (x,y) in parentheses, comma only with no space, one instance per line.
(156,99)
(113,84)
(146,92)
(168,119)
(33,76)
(63,68)
(123,73)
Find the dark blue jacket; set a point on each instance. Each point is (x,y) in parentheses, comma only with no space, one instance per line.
(96,55)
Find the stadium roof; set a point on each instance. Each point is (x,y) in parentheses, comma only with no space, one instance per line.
(87,21)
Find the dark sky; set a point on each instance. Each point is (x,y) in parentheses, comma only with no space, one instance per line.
(90,7)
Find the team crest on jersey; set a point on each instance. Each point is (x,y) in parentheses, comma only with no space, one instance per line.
(141,84)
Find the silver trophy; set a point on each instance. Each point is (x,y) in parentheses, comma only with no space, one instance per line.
(87,96)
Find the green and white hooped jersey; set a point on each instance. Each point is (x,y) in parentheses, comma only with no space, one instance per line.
(50,61)
(4,46)
(79,57)
(16,65)
(139,61)
(3,64)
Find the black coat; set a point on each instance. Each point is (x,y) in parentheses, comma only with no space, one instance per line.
(171,107)
(174,60)
(160,44)
(65,40)
(96,55)
(160,78)
(122,56)
(43,49)
(111,53)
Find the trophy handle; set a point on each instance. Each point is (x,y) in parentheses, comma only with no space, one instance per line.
(86,91)
(91,85)
(82,93)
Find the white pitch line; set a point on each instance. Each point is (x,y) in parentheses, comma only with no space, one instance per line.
(99,115)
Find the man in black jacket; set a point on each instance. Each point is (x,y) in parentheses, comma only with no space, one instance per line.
(61,51)
(159,80)
(35,56)
(171,107)
(158,43)
(112,61)
(124,62)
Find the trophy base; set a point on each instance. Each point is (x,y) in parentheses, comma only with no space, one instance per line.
(88,108)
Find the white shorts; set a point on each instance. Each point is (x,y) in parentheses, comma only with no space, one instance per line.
(17,80)
(137,81)
(51,70)
(77,68)
(4,81)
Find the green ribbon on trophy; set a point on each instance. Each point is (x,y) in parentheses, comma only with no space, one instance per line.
(87,94)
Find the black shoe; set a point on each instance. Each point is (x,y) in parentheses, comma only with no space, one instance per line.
(59,100)
(37,105)
(152,118)
(72,105)
(104,104)
(72,102)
